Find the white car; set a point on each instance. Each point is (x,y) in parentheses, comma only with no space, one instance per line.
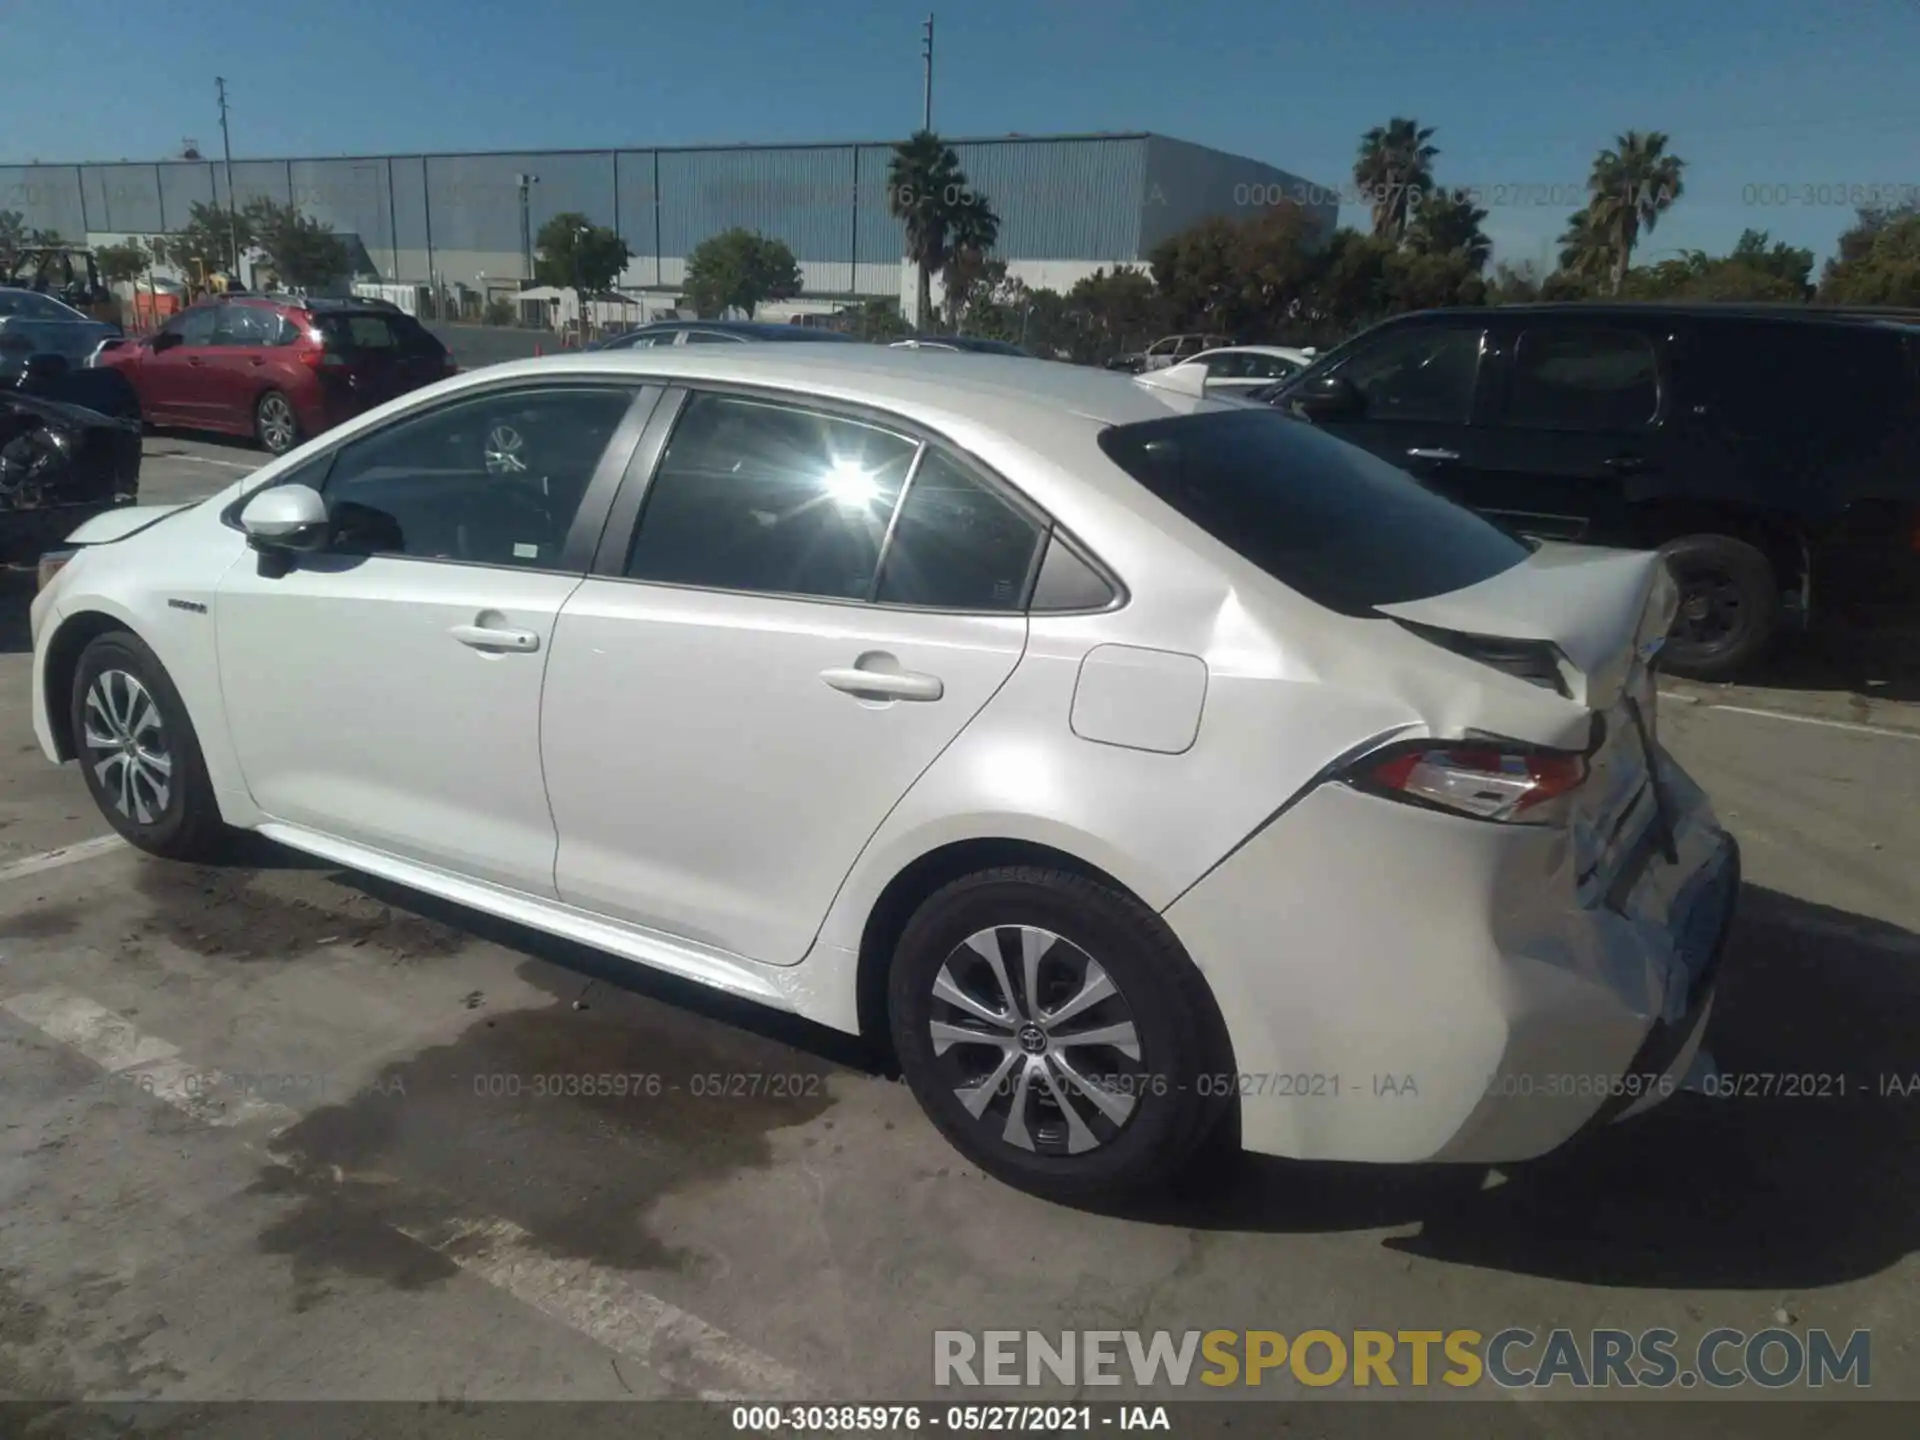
(1149,770)
(1242,368)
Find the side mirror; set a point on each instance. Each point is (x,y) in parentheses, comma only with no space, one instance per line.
(1328,398)
(163,340)
(286,518)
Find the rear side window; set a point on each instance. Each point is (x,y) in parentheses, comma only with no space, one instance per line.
(374,331)
(1325,518)
(770,498)
(1589,380)
(957,544)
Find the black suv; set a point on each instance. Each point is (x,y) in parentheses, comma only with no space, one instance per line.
(1771,453)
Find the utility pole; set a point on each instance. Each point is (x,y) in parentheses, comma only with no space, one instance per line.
(226,143)
(926,54)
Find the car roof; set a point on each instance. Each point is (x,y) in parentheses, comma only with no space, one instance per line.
(1695,309)
(918,384)
(762,328)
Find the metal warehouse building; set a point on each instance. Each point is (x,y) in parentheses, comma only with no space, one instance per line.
(1068,204)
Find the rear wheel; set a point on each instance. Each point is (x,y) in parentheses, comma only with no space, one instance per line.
(1729,609)
(139,753)
(1055,1032)
(275,424)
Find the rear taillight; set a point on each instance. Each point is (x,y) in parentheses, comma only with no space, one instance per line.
(319,359)
(1477,779)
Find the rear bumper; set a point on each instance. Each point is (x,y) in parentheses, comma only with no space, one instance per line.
(1403,986)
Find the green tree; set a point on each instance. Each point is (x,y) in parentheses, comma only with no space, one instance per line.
(122,262)
(878,321)
(1121,312)
(737,270)
(1878,261)
(1755,270)
(200,248)
(927,193)
(1395,164)
(572,253)
(1514,283)
(1632,185)
(13,237)
(1448,221)
(304,252)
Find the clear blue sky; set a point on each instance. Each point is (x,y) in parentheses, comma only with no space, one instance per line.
(1754,93)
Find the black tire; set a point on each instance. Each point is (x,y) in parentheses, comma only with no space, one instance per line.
(276,425)
(1172,1108)
(1729,607)
(183,823)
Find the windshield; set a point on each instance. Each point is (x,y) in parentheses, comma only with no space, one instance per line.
(1344,529)
(30,305)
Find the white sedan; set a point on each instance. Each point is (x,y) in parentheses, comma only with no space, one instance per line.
(1149,771)
(1241,369)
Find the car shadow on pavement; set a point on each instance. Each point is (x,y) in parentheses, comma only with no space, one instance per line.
(16,600)
(1800,1173)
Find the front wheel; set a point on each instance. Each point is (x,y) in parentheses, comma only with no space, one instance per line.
(275,424)
(1055,1032)
(1729,609)
(139,753)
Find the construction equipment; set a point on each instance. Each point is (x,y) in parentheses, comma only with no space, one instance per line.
(67,272)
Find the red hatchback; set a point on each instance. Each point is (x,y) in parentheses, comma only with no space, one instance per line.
(276,368)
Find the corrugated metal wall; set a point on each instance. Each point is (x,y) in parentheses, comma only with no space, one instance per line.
(1094,198)
(1186,183)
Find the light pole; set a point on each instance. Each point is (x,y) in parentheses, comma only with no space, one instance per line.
(526,183)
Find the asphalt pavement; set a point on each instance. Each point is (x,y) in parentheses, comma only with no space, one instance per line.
(272,1130)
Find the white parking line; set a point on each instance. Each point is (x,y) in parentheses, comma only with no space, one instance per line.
(65,855)
(203,460)
(1887,731)
(599,1303)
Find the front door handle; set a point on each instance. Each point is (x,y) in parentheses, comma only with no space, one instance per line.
(884,684)
(195,360)
(1424,453)
(256,360)
(1625,464)
(486,637)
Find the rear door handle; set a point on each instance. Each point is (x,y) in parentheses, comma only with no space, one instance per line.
(884,685)
(483,637)
(195,360)
(256,360)
(1424,453)
(1626,464)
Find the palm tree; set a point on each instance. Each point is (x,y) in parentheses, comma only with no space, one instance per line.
(1585,252)
(972,231)
(1395,160)
(1450,222)
(1631,187)
(926,192)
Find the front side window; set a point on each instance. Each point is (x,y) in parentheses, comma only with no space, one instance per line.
(1592,380)
(1422,373)
(1269,367)
(771,498)
(493,480)
(957,543)
(195,326)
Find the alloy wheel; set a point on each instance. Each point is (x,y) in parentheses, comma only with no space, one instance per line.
(276,424)
(1036,1041)
(127,746)
(506,451)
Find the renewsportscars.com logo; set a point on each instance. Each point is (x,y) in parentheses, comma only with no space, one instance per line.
(1513,1359)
